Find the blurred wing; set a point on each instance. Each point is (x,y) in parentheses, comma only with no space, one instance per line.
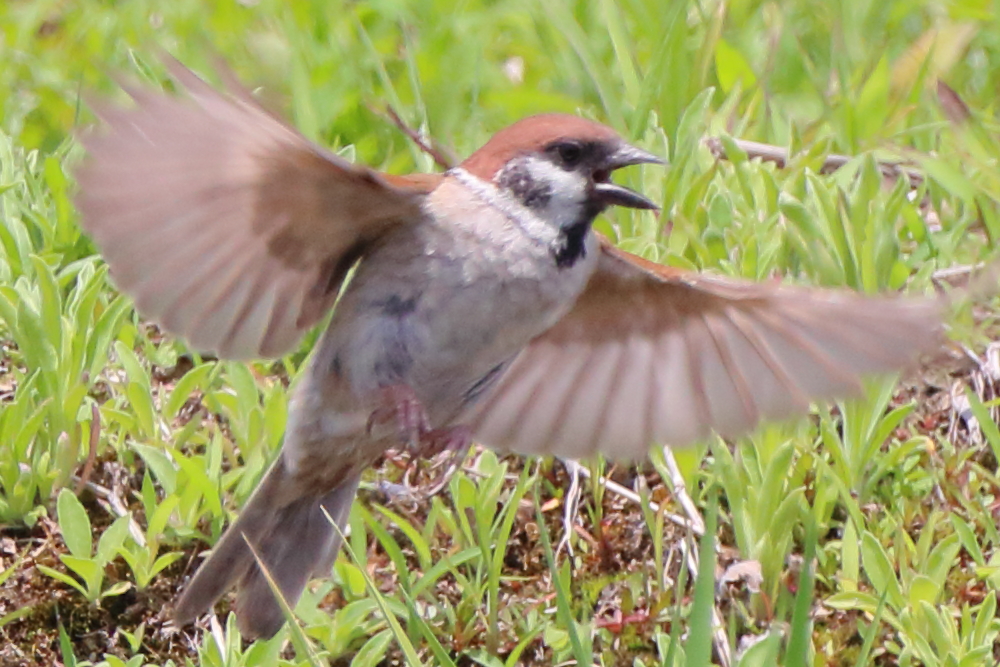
(651,354)
(223,223)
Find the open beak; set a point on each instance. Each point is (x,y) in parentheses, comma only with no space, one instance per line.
(612,194)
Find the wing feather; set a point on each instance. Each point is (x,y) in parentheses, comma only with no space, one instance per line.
(540,425)
(680,413)
(526,376)
(224,223)
(627,410)
(576,360)
(733,409)
(585,415)
(664,356)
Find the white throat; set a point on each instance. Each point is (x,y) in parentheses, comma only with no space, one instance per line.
(544,231)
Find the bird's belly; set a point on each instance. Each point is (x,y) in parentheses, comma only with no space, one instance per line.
(448,351)
(443,326)
(442,349)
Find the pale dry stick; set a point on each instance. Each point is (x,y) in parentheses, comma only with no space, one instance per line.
(956,274)
(441,158)
(719,638)
(833,162)
(666,581)
(695,523)
(982,381)
(571,503)
(680,492)
(961,413)
(970,353)
(697,526)
(218,636)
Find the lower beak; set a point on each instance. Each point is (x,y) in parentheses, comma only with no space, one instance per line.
(612,194)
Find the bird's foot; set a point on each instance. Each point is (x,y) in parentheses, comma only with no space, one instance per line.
(432,464)
(399,403)
(454,439)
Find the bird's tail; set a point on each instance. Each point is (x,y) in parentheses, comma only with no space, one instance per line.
(291,535)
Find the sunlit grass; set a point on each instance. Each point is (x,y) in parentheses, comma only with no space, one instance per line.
(898,516)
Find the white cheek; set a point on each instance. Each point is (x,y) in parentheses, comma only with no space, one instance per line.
(568,193)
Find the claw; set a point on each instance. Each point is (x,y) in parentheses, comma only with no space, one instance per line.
(454,439)
(399,403)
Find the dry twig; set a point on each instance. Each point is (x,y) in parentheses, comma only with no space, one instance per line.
(440,157)
(778,155)
(719,639)
(95,434)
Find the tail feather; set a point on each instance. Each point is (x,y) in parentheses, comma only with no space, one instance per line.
(303,543)
(293,538)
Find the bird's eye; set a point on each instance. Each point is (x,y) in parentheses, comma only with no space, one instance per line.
(569,153)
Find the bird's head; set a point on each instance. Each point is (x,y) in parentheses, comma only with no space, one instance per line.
(559,167)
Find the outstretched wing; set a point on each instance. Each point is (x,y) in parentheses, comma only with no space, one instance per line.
(651,354)
(226,225)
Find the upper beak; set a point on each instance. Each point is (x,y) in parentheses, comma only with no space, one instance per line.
(612,194)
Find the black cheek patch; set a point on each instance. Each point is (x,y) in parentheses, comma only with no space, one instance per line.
(517,179)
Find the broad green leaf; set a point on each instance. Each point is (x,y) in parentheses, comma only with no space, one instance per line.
(158,522)
(74,524)
(64,578)
(922,589)
(967,537)
(853,600)
(112,539)
(163,468)
(879,570)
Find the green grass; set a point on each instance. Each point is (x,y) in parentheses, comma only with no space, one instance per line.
(873,524)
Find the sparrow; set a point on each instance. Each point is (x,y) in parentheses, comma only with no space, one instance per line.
(476,304)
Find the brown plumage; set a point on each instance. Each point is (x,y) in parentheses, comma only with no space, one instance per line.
(654,354)
(272,222)
(481,299)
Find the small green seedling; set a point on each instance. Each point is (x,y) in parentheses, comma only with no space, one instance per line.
(85,564)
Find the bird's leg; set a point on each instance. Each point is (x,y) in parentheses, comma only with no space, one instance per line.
(454,439)
(399,403)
